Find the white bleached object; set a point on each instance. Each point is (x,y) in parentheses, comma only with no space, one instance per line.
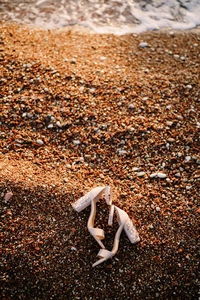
(123,219)
(131,232)
(91,198)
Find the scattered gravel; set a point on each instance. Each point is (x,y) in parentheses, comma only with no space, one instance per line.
(57,89)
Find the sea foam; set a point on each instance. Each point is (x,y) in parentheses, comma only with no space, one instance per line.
(113,16)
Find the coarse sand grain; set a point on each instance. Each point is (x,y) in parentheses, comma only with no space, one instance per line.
(78,110)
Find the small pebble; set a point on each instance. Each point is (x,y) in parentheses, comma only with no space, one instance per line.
(153,175)
(161,175)
(144,99)
(73,248)
(178,175)
(141,174)
(121,151)
(76,142)
(73,60)
(81,159)
(187,158)
(171,140)
(7,196)
(169,123)
(29,115)
(135,169)
(188,187)
(39,142)
(143,45)
(58,124)
(131,106)
(163,165)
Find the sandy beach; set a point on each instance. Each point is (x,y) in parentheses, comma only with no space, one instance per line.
(80,110)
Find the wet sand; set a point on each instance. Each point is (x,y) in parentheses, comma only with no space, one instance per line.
(79,110)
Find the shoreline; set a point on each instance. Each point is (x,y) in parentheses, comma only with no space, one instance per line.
(77,112)
(86,30)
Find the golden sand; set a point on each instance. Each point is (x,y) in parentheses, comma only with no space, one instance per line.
(79,110)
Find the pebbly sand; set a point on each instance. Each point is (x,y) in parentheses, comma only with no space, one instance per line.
(79,110)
